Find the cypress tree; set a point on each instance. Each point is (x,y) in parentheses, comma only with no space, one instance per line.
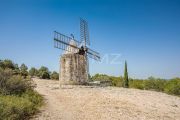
(126,81)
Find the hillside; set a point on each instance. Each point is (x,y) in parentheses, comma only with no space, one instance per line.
(91,103)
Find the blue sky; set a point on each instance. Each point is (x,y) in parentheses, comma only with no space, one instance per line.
(146,33)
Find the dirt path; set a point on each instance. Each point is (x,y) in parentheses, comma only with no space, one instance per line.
(110,103)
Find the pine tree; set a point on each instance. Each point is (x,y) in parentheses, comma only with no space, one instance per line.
(126,81)
(23,70)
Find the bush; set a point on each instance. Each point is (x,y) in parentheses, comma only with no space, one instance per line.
(23,70)
(55,76)
(139,84)
(44,73)
(7,64)
(33,97)
(16,71)
(4,76)
(14,107)
(168,86)
(33,72)
(19,107)
(100,77)
(10,84)
(173,86)
(18,100)
(117,81)
(18,85)
(155,84)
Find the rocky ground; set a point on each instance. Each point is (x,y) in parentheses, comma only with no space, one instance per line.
(108,103)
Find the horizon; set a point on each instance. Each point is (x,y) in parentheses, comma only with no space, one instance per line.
(144,33)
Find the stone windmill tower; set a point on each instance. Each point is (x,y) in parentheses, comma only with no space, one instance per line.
(74,65)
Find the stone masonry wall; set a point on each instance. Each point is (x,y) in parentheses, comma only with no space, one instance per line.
(73,69)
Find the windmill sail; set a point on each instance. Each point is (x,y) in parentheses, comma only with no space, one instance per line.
(65,43)
(84,32)
(93,54)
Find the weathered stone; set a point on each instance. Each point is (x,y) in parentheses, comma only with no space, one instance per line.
(73,69)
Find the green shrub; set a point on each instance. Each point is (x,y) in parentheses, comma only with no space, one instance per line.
(173,86)
(155,84)
(19,107)
(168,86)
(10,84)
(33,97)
(100,77)
(14,107)
(18,100)
(139,84)
(162,85)
(55,76)
(117,81)
(33,72)
(4,76)
(18,85)
(44,73)
(23,70)
(7,64)
(16,71)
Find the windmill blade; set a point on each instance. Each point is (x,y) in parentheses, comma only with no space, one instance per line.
(65,43)
(84,32)
(93,54)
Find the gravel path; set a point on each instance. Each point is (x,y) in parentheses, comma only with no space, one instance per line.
(109,103)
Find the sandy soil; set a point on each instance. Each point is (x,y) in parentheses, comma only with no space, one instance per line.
(109,103)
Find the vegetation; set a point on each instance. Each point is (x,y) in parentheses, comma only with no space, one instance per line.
(14,107)
(7,64)
(54,75)
(100,77)
(18,100)
(44,73)
(13,84)
(33,72)
(126,80)
(23,70)
(171,86)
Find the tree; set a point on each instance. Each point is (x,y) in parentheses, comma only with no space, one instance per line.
(16,70)
(7,64)
(55,75)
(33,72)
(1,64)
(126,80)
(23,70)
(43,68)
(44,73)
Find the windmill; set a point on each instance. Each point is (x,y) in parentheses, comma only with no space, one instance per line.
(81,47)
